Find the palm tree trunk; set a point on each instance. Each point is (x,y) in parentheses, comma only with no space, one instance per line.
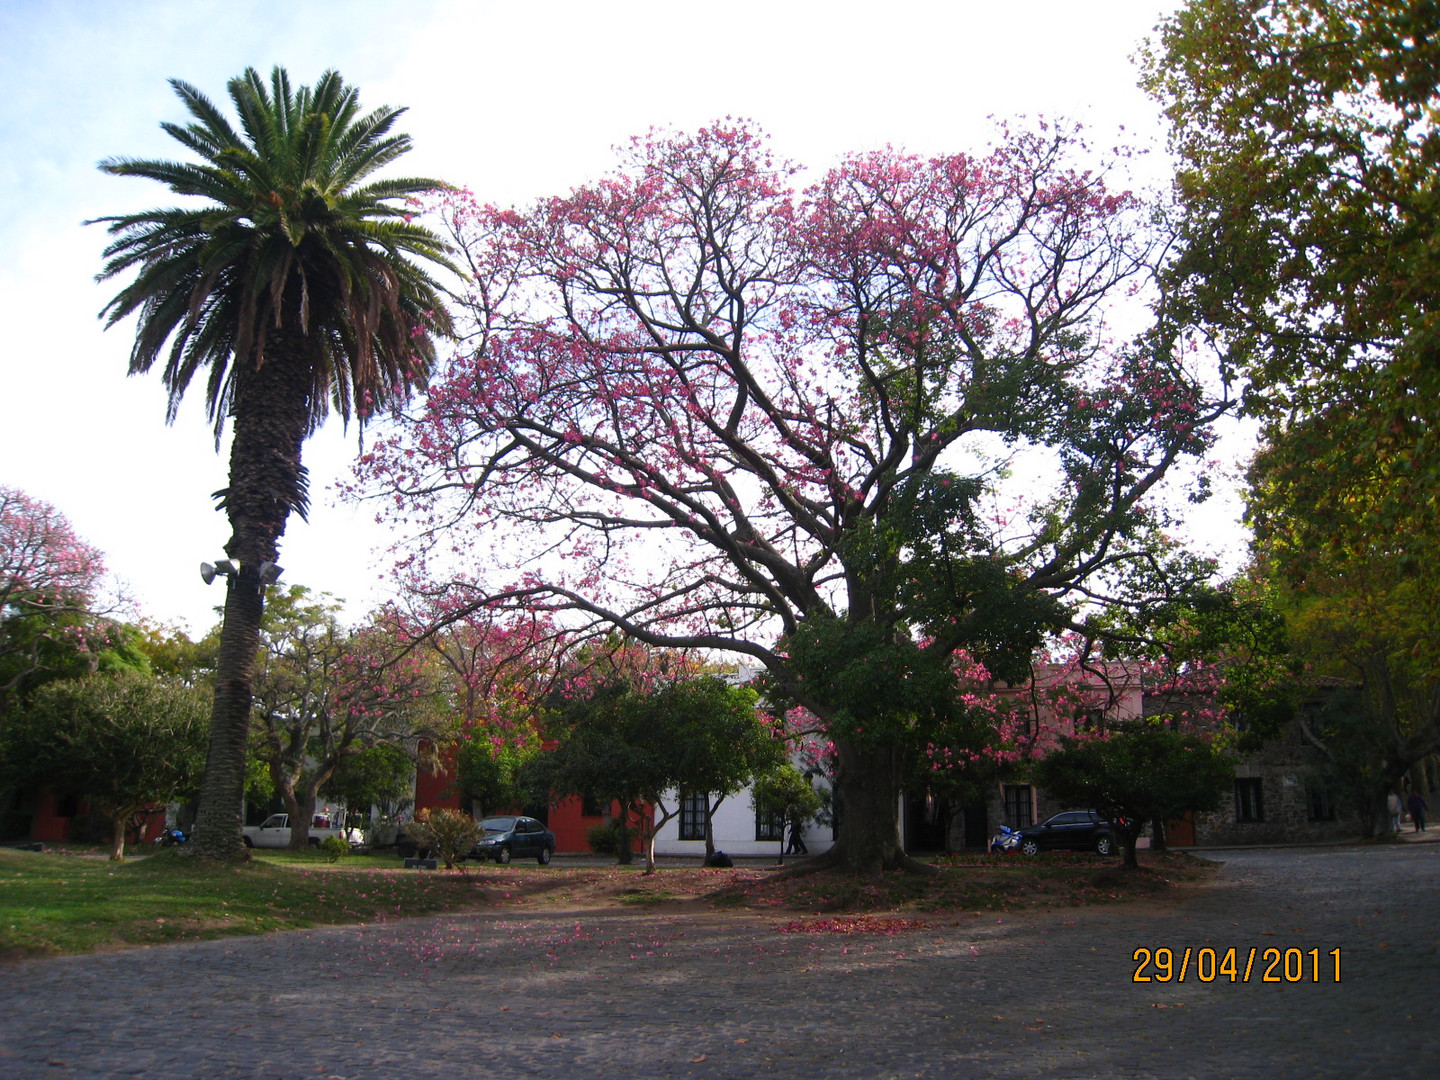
(271,420)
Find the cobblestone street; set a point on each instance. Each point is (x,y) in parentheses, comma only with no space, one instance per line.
(636,995)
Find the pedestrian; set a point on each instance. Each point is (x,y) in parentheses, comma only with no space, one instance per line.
(797,842)
(1392,804)
(1418,806)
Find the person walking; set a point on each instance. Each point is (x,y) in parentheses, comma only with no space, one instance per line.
(797,842)
(1392,804)
(1418,806)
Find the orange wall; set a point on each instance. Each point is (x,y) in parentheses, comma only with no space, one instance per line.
(565,819)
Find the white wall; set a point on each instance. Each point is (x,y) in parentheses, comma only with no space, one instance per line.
(734,827)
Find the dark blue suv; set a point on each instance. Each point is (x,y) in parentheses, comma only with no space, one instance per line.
(506,838)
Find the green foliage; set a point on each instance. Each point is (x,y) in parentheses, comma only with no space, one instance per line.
(121,741)
(1139,771)
(1348,544)
(886,690)
(1308,140)
(378,775)
(171,654)
(334,848)
(286,239)
(619,742)
(451,834)
(604,837)
(327,698)
(489,770)
(786,793)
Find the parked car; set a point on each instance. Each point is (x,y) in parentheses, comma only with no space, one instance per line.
(506,838)
(1069,830)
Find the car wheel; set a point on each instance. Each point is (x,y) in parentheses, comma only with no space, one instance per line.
(247,842)
(503,855)
(1105,845)
(1030,847)
(544,856)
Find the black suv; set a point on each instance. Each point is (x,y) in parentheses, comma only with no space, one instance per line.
(1070,830)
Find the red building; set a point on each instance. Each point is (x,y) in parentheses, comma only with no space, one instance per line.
(571,819)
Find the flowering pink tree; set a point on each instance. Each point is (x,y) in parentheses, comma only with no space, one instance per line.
(49,578)
(500,666)
(713,412)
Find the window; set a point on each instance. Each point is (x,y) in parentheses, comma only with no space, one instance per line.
(769,826)
(1090,720)
(1019,806)
(692,814)
(1249,800)
(1320,803)
(590,807)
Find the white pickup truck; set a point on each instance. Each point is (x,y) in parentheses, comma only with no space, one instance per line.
(274,832)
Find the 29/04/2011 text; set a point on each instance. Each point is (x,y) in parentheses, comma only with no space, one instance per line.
(1271,965)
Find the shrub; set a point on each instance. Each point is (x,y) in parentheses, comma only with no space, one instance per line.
(334,848)
(604,838)
(450,834)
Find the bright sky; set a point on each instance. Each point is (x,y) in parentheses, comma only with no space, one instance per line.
(511,99)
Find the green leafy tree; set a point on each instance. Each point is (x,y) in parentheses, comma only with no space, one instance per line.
(489,767)
(123,742)
(786,794)
(640,745)
(1138,771)
(1308,139)
(381,775)
(290,282)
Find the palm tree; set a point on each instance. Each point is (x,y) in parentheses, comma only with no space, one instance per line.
(290,282)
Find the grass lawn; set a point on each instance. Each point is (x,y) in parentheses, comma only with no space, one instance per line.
(72,900)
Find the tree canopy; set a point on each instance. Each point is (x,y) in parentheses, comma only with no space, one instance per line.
(1136,772)
(324,694)
(49,581)
(636,745)
(714,412)
(1308,139)
(121,741)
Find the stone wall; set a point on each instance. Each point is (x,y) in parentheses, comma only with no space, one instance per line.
(1287,769)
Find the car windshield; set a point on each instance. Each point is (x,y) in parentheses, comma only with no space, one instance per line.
(498,824)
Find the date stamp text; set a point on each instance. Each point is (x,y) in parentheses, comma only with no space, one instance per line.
(1236,965)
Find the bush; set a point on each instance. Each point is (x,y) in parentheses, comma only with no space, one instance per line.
(604,838)
(450,834)
(334,848)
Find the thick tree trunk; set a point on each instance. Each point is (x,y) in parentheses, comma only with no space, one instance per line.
(270,422)
(217,824)
(1127,838)
(300,805)
(867,783)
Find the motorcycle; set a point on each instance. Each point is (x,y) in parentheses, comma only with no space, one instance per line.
(1005,841)
(171,837)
